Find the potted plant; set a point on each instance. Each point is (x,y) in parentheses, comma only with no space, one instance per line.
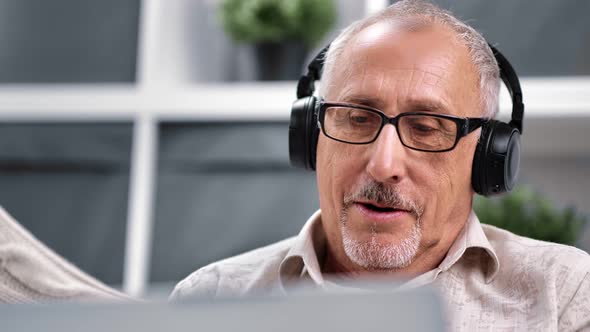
(528,213)
(281,31)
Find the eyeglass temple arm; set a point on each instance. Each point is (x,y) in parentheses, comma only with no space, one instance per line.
(474,123)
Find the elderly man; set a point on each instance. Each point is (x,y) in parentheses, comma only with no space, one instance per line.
(394,174)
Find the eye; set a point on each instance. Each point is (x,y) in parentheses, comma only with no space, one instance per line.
(362,118)
(359,118)
(423,128)
(423,124)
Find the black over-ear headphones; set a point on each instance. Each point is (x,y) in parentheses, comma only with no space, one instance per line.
(497,155)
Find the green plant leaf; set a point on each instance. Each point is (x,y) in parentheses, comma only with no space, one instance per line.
(530,214)
(256,21)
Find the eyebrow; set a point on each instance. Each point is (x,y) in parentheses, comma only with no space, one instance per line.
(364,101)
(427,105)
(414,105)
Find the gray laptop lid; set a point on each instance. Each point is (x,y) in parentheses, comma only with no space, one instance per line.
(403,311)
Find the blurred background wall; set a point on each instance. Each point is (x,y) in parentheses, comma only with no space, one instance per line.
(222,184)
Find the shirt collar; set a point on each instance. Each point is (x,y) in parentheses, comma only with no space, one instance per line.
(472,236)
(304,258)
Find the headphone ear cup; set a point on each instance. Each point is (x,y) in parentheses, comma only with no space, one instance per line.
(315,134)
(478,176)
(497,159)
(303,133)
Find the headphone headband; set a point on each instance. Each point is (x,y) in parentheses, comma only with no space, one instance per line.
(306,85)
(510,79)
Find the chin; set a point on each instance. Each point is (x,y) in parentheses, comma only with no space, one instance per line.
(382,251)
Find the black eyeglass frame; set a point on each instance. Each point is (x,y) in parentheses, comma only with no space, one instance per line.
(464,125)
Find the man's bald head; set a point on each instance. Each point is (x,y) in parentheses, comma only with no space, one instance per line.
(414,15)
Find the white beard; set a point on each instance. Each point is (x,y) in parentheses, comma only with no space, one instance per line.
(373,255)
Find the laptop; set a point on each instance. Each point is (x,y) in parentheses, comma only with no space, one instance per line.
(416,310)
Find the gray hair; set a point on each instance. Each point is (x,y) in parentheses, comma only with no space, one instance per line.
(418,13)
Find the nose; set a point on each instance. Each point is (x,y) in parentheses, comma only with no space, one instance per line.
(387,160)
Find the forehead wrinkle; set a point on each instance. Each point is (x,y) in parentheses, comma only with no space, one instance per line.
(358,78)
(432,79)
(385,77)
(427,102)
(414,81)
(356,61)
(380,86)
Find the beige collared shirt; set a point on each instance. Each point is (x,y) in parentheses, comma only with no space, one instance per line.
(490,279)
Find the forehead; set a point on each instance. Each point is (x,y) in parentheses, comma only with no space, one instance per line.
(387,66)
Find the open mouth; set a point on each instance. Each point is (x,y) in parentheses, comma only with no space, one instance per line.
(376,208)
(375,212)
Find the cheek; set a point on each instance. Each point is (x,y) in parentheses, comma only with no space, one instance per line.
(338,165)
(325,169)
(433,177)
(445,177)
(463,162)
(452,172)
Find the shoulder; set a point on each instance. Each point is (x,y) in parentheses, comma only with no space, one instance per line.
(510,246)
(234,276)
(552,266)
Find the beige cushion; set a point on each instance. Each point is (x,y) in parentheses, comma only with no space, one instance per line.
(31,272)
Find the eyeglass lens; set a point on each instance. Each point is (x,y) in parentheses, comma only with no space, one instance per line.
(423,132)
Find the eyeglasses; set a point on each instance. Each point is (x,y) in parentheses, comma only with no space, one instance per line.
(355,124)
